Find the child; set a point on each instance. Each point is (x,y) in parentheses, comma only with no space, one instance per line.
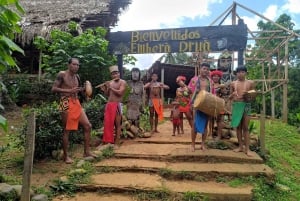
(175,117)
(241,109)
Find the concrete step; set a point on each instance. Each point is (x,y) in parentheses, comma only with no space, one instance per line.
(142,182)
(181,152)
(194,169)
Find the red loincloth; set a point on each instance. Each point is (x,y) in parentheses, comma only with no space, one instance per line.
(109,122)
(184,109)
(176,122)
(74,112)
(158,106)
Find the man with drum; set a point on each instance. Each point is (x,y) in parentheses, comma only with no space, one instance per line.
(201,119)
(241,108)
(155,101)
(72,114)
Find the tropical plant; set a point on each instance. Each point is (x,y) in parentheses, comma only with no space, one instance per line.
(8,27)
(90,47)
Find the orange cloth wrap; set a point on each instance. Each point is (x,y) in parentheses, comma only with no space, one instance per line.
(74,112)
(158,106)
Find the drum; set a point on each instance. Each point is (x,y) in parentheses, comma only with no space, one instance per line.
(209,103)
(250,96)
(88,89)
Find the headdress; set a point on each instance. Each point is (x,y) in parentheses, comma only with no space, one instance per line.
(216,72)
(181,77)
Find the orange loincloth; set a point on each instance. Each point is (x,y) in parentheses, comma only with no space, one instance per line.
(158,106)
(74,112)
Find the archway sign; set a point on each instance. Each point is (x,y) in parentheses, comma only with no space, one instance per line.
(191,39)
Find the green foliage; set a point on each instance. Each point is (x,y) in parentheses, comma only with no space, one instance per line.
(108,152)
(252,127)
(63,187)
(8,27)
(23,90)
(81,175)
(162,195)
(166,173)
(255,66)
(144,119)
(282,143)
(90,47)
(49,130)
(193,196)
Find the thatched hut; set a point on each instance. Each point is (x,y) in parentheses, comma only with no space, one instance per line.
(42,16)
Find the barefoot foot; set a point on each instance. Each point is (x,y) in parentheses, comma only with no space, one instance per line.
(238,149)
(192,148)
(68,160)
(89,155)
(249,153)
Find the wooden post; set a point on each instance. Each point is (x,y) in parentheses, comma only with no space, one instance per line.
(273,103)
(285,85)
(163,81)
(262,116)
(262,124)
(28,158)
(40,65)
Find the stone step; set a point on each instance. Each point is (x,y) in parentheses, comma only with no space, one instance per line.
(181,152)
(194,168)
(142,182)
(91,196)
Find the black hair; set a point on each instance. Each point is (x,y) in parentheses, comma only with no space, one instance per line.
(205,64)
(241,68)
(70,60)
(138,70)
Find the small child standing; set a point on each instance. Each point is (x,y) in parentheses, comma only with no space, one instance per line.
(175,117)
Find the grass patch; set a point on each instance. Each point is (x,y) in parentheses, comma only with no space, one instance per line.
(194,196)
(81,175)
(108,152)
(282,144)
(163,195)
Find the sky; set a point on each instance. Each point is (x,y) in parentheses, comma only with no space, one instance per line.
(164,14)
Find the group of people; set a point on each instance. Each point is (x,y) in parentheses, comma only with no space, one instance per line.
(67,84)
(236,105)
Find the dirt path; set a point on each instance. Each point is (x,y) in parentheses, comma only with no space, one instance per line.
(166,162)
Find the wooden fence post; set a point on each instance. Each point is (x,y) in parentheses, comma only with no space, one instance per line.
(28,158)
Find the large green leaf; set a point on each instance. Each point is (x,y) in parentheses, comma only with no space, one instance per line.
(3,123)
(13,46)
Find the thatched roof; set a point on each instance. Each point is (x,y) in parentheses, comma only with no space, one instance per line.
(44,15)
